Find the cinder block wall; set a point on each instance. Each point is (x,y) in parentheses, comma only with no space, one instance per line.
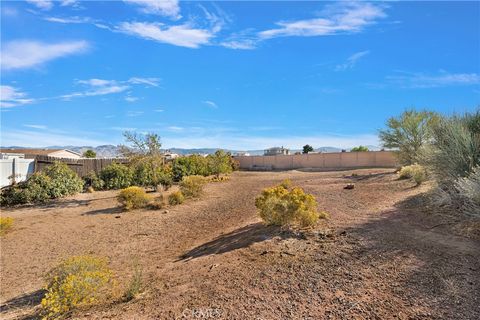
(327,161)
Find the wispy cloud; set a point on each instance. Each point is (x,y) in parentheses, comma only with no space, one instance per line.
(42,4)
(159,110)
(36,126)
(131,99)
(66,20)
(98,87)
(167,8)
(442,79)
(174,129)
(351,61)
(12,97)
(23,54)
(134,113)
(340,18)
(211,104)
(183,35)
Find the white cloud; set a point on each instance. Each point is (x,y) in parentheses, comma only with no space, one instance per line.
(22,54)
(180,35)
(131,99)
(344,17)
(167,8)
(74,19)
(97,82)
(148,81)
(96,92)
(134,113)
(159,110)
(443,79)
(351,61)
(211,104)
(243,44)
(12,97)
(42,4)
(174,129)
(36,126)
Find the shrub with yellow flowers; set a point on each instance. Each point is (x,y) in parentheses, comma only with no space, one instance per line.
(288,206)
(78,281)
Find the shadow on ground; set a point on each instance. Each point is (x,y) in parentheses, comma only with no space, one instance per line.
(239,238)
(24,301)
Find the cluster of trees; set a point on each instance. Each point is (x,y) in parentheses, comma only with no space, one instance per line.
(447,146)
(146,168)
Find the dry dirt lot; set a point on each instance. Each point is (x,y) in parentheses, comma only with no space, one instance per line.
(381,255)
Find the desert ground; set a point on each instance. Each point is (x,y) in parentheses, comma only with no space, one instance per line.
(382,254)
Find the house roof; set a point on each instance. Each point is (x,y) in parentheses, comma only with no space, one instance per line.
(43,152)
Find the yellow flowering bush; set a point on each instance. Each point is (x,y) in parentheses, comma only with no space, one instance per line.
(134,198)
(285,206)
(175,198)
(76,282)
(415,172)
(5,224)
(192,186)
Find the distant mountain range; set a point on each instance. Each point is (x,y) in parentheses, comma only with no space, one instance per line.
(111,151)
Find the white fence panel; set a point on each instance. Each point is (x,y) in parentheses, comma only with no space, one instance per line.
(20,168)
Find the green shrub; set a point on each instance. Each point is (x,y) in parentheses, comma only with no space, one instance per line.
(192,186)
(288,207)
(5,224)
(188,166)
(149,171)
(175,198)
(359,149)
(117,176)
(469,188)
(76,282)
(55,181)
(134,198)
(64,181)
(135,285)
(94,181)
(219,163)
(455,150)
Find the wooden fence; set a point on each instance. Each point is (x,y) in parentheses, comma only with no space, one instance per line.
(81,166)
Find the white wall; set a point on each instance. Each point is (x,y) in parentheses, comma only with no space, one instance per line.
(22,168)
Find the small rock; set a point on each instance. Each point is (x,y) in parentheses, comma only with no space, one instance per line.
(165,211)
(117,217)
(349,186)
(214,266)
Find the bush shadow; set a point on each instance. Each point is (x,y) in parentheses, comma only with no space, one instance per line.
(237,239)
(23,301)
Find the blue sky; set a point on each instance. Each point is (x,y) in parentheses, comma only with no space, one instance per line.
(237,75)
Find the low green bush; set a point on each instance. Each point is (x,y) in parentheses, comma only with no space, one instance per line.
(94,181)
(192,186)
(134,198)
(55,181)
(117,176)
(469,189)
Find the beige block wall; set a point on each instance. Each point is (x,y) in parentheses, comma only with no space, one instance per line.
(337,160)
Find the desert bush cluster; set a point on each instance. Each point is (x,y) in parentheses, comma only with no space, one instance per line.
(447,147)
(55,181)
(288,206)
(192,186)
(216,164)
(76,282)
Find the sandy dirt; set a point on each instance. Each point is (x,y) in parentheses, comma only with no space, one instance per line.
(380,255)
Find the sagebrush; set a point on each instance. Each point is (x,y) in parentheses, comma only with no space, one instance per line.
(175,198)
(76,282)
(192,186)
(134,198)
(5,224)
(285,206)
(415,172)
